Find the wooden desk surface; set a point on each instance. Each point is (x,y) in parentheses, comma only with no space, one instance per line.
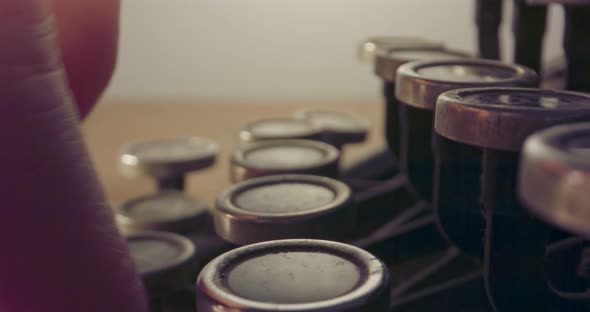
(116,122)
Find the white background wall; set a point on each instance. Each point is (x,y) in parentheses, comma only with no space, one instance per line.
(278,48)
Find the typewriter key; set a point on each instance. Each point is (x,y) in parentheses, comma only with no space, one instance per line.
(279,128)
(498,120)
(169,211)
(389,60)
(554,185)
(285,206)
(488,17)
(162,260)
(338,128)
(502,118)
(528,30)
(167,160)
(576,44)
(282,157)
(386,64)
(554,181)
(372,45)
(418,84)
(294,275)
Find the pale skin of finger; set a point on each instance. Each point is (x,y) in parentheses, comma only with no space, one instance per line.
(60,248)
(88,38)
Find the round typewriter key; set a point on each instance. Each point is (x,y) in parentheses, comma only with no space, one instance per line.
(169,211)
(386,64)
(445,75)
(338,128)
(162,261)
(279,128)
(498,120)
(554,181)
(284,156)
(418,84)
(372,45)
(285,206)
(502,118)
(389,60)
(167,160)
(462,130)
(294,275)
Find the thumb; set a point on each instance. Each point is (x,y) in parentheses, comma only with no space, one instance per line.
(60,248)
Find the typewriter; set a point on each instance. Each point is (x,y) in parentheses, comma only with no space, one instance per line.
(480,202)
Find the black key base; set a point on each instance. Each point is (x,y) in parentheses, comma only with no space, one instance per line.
(397,228)
(427,273)
(576,45)
(528,28)
(460,293)
(488,16)
(378,166)
(456,194)
(171,184)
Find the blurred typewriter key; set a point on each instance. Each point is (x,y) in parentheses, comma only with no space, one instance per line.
(418,84)
(163,261)
(554,182)
(488,17)
(372,45)
(294,275)
(528,30)
(386,64)
(498,120)
(384,163)
(167,160)
(282,157)
(389,60)
(576,45)
(502,118)
(279,128)
(169,211)
(174,212)
(338,128)
(285,206)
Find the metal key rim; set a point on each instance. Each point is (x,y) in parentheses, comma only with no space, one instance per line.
(332,220)
(246,132)
(375,282)
(226,201)
(370,46)
(387,62)
(184,244)
(421,91)
(356,133)
(129,222)
(554,183)
(132,164)
(331,154)
(496,125)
